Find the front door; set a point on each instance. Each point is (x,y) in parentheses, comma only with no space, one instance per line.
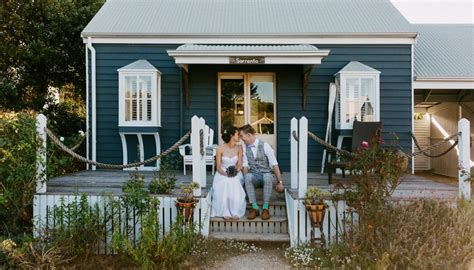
(248,98)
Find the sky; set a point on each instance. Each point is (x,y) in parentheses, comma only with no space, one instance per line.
(436,11)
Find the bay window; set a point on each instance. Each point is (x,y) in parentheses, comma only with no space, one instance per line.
(358,95)
(139,95)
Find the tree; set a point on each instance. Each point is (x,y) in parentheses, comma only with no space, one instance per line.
(41,47)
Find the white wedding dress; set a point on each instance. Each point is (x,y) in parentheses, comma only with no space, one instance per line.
(228,197)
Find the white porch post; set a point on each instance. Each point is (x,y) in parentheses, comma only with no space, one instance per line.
(303,157)
(202,164)
(464,143)
(199,161)
(41,154)
(294,153)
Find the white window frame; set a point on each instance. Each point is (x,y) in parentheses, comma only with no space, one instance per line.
(341,83)
(155,98)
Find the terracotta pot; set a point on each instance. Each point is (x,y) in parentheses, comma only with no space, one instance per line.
(186,208)
(316,213)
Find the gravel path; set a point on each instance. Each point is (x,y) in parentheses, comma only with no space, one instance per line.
(269,257)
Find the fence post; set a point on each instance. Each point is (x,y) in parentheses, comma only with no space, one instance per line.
(41,154)
(464,143)
(195,144)
(294,154)
(303,157)
(203,175)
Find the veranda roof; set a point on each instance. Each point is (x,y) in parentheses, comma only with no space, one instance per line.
(248,54)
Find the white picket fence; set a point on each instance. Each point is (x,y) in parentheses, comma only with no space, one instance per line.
(45,203)
(337,216)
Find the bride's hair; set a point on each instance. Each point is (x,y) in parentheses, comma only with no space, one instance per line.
(228,132)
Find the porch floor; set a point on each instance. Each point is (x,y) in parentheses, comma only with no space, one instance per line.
(111,181)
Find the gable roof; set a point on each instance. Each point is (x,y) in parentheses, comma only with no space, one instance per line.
(245,17)
(139,65)
(444,50)
(355,67)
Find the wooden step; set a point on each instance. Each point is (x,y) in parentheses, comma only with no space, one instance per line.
(257,219)
(253,237)
(276,224)
(275,209)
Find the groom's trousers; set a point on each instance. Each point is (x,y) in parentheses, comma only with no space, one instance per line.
(253,180)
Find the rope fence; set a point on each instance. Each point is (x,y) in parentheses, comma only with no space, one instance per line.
(425,151)
(71,152)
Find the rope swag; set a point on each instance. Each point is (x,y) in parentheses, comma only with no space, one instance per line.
(416,153)
(69,151)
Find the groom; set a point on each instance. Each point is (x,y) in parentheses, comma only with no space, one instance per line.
(260,168)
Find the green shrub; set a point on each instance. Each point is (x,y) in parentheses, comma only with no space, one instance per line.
(76,228)
(150,251)
(164,180)
(18,146)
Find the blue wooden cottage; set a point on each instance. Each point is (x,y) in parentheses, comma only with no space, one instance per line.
(152,65)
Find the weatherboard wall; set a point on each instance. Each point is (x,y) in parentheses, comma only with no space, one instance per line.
(394,62)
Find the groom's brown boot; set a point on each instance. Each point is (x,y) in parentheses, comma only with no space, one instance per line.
(265,214)
(253,213)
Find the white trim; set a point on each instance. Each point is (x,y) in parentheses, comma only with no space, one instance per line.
(340,38)
(412,106)
(158,148)
(124,148)
(155,97)
(450,79)
(142,150)
(439,83)
(94,102)
(87,134)
(269,60)
(341,109)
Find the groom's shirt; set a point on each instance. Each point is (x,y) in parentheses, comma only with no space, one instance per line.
(266,148)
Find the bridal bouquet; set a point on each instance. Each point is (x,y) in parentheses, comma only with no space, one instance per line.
(231,171)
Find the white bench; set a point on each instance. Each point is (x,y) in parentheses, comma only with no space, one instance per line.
(210,149)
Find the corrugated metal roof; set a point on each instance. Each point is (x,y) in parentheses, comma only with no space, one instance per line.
(273,48)
(355,66)
(234,17)
(444,50)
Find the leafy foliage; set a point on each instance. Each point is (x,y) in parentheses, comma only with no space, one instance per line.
(377,171)
(164,180)
(41,47)
(18,146)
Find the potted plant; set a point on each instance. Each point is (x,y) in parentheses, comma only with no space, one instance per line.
(315,205)
(187,202)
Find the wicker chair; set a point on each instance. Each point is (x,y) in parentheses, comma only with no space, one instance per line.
(361,131)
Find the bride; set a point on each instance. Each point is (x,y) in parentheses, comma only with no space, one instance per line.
(228,199)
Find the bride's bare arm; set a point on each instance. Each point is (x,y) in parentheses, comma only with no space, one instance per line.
(219,161)
(239,159)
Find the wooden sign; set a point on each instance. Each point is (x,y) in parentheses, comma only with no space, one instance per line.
(246,60)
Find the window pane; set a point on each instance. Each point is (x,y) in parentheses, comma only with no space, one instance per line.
(367,99)
(262,104)
(145,94)
(134,109)
(232,103)
(127,110)
(148,110)
(367,90)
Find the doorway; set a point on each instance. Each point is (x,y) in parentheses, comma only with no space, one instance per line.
(248,98)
